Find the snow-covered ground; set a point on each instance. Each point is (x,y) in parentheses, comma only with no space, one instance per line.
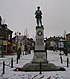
(53,57)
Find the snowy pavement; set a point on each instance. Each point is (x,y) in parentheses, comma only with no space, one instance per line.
(53,57)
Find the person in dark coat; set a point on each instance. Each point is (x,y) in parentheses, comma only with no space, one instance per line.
(19,53)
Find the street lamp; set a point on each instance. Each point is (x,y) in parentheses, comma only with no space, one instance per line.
(1,37)
(16,40)
(17,33)
(61,46)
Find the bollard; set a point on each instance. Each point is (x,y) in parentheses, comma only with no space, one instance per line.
(17,59)
(11,62)
(3,67)
(61,59)
(40,68)
(67,62)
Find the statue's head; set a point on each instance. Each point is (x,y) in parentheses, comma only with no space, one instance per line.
(38,7)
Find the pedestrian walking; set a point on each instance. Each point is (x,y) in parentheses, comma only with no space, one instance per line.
(19,53)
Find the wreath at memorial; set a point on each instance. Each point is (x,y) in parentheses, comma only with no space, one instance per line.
(39,33)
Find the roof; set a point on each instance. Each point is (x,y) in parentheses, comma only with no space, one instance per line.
(67,34)
(4,27)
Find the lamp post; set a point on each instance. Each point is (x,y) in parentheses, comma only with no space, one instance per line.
(17,33)
(1,45)
(66,50)
(16,40)
(60,48)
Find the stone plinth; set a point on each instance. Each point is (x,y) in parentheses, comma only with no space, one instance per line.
(44,67)
(39,52)
(39,56)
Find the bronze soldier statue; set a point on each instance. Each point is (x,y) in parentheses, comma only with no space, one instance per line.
(38,16)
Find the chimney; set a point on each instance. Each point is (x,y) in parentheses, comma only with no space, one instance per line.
(4,25)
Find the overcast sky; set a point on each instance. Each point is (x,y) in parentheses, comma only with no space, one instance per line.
(19,15)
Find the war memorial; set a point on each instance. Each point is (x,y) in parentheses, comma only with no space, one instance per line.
(39,59)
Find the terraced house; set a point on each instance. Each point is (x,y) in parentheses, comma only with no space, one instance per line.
(5,38)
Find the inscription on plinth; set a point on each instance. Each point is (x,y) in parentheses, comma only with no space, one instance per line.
(39,43)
